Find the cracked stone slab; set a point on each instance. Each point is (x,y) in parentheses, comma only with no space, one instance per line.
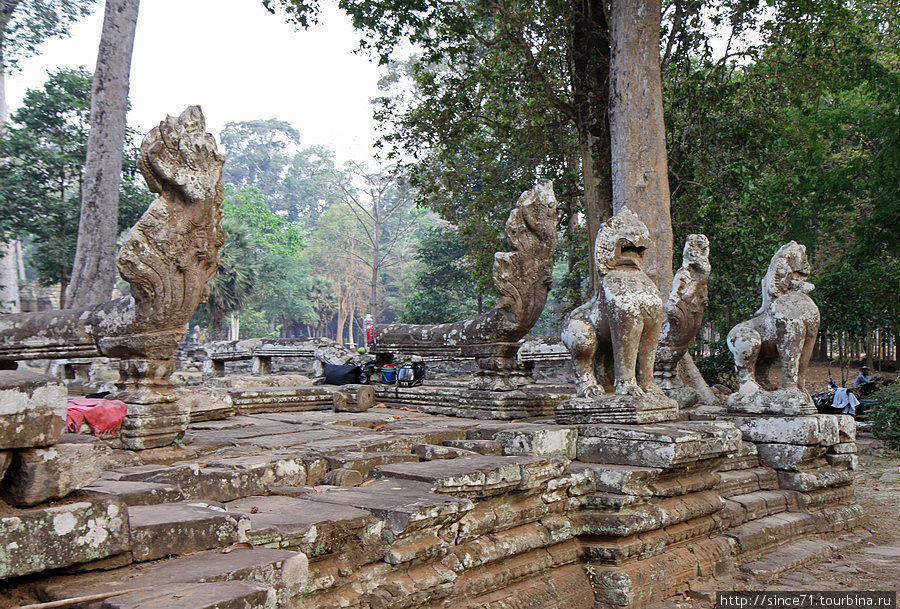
(530,439)
(175,529)
(215,595)
(788,456)
(32,409)
(312,527)
(137,493)
(403,505)
(284,571)
(84,529)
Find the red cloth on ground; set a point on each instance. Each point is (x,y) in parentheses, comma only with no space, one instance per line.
(104,416)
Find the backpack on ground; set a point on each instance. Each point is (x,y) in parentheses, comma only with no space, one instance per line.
(410,374)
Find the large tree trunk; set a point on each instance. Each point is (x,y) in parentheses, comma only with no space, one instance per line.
(590,88)
(640,175)
(9,272)
(639,172)
(93,273)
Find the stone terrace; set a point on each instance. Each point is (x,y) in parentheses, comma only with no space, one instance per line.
(394,508)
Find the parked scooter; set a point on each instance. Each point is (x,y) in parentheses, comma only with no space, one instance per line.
(840,400)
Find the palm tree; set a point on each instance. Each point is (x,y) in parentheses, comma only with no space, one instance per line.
(234,282)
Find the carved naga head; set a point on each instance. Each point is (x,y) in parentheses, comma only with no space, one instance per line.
(788,272)
(696,253)
(621,242)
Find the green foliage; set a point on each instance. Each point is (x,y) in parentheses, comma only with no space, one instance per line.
(40,188)
(236,276)
(24,24)
(717,368)
(266,155)
(885,416)
(442,290)
(274,232)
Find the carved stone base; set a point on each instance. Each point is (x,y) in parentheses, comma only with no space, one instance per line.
(612,408)
(154,425)
(498,368)
(457,400)
(154,417)
(783,402)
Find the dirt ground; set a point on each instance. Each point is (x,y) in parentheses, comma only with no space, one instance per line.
(871,563)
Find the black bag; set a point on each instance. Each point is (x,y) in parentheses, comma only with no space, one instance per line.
(347,374)
(365,372)
(410,374)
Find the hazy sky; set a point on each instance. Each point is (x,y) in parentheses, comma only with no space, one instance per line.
(239,62)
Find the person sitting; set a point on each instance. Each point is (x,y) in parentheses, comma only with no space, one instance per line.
(864,382)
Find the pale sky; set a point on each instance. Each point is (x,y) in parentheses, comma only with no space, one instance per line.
(239,62)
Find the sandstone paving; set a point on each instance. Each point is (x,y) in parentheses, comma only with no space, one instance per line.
(429,525)
(213,595)
(174,529)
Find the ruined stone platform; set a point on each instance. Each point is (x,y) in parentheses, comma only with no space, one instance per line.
(438,512)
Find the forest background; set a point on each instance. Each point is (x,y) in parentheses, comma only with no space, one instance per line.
(781,123)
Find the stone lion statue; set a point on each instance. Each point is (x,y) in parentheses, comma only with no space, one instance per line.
(782,332)
(613,336)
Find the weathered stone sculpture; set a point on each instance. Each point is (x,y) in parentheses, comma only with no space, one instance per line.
(613,337)
(522,278)
(782,333)
(167,259)
(684,311)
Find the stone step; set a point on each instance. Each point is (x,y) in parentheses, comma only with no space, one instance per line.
(315,528)
(283,571)
(478,476)
(137,493)
(216,595)
(787,557)
(770,531)
(738,482)
(364,462)
(646,515)
(404,506)
(752,506)
(175,529)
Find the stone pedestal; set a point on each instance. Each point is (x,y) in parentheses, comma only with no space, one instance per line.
(652,407)
(782,402)
(155,417)
(498,368)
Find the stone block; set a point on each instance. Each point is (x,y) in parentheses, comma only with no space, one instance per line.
(342,476)
(315,528)
(532,440)
(39,474)
(175,529)
(32,409)
(284,571)
(364,462)
(613,408)
(482,447)
(781,402)
(137,493)
(432,452)
(214,595)
(206,403)
(811,480)
(843,448)
(822,430)
(843,461)
(788,456)
(662,445)
(64,534)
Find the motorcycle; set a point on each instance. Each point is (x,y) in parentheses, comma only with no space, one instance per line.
(824,400)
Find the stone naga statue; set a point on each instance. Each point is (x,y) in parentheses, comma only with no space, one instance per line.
(685,309)
(782,333)
(613,336)
(167,258)
(522,278)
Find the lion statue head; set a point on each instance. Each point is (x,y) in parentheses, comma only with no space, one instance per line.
(621,242)
(788,272)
